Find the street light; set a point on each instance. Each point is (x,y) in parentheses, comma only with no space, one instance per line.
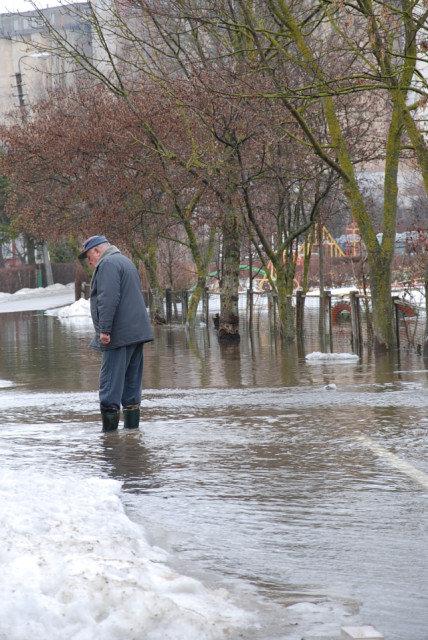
(22,106)
(33,54)
(18,78)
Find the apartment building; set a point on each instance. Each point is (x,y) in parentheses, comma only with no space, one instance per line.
(28,63)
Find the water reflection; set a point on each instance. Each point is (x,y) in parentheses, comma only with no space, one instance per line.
(32,343)
(127,458)
(385,367)
(230,356)
(38,350)
(198,343)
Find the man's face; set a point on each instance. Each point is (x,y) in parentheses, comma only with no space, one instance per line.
(92,256)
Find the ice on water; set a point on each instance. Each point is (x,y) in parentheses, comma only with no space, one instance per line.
(75,566)
(317,357)
(5,384)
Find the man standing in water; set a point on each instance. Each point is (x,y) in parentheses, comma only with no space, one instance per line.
(122,326)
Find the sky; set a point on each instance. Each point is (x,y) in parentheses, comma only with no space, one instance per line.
(24,5)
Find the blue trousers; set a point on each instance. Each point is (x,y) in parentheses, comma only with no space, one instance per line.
(120,376)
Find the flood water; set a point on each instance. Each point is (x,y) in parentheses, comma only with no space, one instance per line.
(300,505)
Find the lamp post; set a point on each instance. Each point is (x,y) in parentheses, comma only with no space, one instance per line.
(18,79)
(24,118)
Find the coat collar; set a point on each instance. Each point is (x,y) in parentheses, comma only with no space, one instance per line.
(108,252)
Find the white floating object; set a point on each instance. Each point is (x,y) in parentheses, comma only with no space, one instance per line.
(4,384)
(331,386)
(361,633)
(317,356)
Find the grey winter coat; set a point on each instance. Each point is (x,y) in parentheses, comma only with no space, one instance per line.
(117,303)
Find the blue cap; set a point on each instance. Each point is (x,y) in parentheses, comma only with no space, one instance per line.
(90,243)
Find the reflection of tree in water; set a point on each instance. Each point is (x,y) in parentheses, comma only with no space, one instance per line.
(27,343)
(289,366)
(201,353)
(37,349)
(179,357)
(128,460)
(153,371)
(385,365)
(230,353)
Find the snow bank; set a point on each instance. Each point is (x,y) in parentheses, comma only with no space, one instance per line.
(317,357)
(37,299)
(415,295)
(79,309)
(75,566)
(42,291)
(337,291)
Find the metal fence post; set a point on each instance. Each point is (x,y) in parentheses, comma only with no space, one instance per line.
(355,322)
(184,306)
(327,306)
(168,304)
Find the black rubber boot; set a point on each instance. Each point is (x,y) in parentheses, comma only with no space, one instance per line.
(110,418)
(131,416)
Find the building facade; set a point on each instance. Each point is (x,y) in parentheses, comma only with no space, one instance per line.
(29,64)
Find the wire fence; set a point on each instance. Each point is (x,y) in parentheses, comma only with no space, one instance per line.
(347,317)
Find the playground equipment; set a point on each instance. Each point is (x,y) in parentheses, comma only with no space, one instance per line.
(263,284)
(350,241)
(342,310)
(331,248)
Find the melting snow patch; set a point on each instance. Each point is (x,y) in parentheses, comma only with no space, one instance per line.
(360,633)
(40,291)
(41,298)
(79,309)
(317,356)
(317,620)
(339,291)
(75,566)
(4,384)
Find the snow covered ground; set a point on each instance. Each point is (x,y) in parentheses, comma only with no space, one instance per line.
(75,566)
(37,299)
(77,315)
(79,309)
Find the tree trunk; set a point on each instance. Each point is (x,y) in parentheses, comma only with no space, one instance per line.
(382,311)
(379,257)
(202,260)
(229,284)
(284,290)
(195,299)
(309,240)
(156,303)
(30,246)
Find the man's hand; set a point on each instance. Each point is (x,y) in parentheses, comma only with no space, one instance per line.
(105,338)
